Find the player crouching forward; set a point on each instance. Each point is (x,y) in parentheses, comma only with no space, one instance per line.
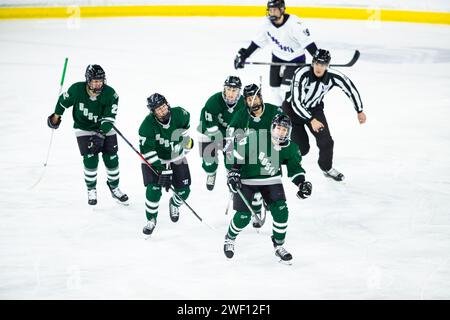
(259,170)
(164,142)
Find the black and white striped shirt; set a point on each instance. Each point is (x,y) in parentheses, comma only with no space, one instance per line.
(307,91)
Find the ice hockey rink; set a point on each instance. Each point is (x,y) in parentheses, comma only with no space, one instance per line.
(382,234)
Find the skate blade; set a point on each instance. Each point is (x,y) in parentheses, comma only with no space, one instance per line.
(125,203)
(287,263)
(147,236)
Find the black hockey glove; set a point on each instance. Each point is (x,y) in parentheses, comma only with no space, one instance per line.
(165,178)
(305,190)
(234,180)
(239,61)
(96,142)
(50,122)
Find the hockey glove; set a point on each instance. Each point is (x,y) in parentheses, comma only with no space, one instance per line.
(50,122)
(96,142)
(234,180)
(239,61)
(165,178)
(305,190)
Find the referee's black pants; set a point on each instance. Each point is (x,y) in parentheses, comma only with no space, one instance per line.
(299,135)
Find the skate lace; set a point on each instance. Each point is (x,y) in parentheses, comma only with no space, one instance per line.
(211,179)
(150,224)
(282,251)
(229,244)
(333,172)
(117,192)
(174,211)
(92,194)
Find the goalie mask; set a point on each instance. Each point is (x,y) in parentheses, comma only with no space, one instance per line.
(95,78)
(231,90)
(159,107)
(281,129)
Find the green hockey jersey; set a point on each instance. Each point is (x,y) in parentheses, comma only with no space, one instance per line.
(245,121)
(89,113)
(215,116)
(163,143)
(260,160)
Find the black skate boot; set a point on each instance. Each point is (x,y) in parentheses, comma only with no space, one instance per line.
(228,247)
(118,194)
(334,174)
(92,197)
(210,181)
(282,253)
(149,227)
(174,211)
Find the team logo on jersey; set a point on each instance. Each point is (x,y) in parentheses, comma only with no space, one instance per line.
(65,95)
(278,44)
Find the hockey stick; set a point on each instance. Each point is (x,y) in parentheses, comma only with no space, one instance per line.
(254,215)
(158,174)
(53,130)
(229,203)
(291,64)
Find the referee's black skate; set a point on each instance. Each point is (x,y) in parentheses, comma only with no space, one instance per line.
(118,194)
(228,247)
(282,253)
(334,174)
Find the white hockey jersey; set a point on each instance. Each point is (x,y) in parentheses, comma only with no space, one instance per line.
(287,41)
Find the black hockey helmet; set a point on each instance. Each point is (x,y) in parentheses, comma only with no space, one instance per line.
(275,4)
(155,101)
(231,82)
(322,56)
(284,121)
(252,90)
(95,72)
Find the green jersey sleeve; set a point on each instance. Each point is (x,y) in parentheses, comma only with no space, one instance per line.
(147,144)
(110,111)
(65,100)
(293,161)
(210,116)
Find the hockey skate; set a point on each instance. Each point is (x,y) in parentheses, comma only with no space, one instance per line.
(282,253)
(228,247)
(173,211)
(334,174)
(118,194)
(92,197)
(210,181)
(149,227)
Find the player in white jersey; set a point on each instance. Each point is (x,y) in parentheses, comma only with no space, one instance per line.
(288,38)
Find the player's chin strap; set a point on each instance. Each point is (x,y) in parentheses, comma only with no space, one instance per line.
(157,173)
(291,64)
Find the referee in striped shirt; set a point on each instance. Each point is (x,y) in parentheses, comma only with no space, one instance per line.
(304,106)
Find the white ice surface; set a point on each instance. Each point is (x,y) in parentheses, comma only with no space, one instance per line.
(384,234)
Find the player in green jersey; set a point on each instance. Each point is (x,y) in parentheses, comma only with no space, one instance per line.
(258,169)
(256,116)
(214,119)
(164,142)
(94,112)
